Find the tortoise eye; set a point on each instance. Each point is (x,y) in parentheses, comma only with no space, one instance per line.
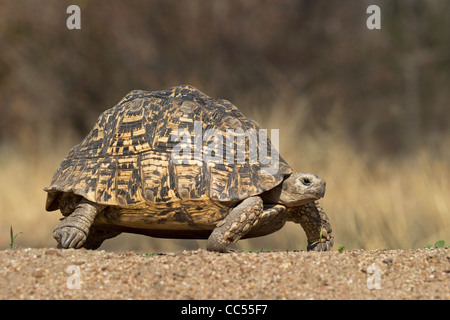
(306,181)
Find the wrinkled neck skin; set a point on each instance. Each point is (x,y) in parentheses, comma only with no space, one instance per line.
(303,211)
(274,196)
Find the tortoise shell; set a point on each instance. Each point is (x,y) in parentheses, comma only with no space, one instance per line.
(127,159)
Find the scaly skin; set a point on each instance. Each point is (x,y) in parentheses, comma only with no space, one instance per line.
(316,224)
(236,224)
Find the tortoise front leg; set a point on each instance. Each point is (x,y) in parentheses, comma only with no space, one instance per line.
(235,225)
(316,224)
(73,231)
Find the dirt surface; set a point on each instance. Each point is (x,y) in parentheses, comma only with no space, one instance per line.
(81,274)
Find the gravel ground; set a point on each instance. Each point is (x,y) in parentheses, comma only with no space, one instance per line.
(49,273)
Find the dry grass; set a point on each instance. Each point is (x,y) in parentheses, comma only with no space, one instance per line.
(381,203)
(373,202)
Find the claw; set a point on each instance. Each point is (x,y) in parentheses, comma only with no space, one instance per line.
(324,245)
(69,238)
(57,237)
(77,242)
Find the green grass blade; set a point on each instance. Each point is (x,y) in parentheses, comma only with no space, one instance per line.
(440,244)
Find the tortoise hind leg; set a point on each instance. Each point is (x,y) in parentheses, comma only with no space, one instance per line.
(73,230)
(235,225)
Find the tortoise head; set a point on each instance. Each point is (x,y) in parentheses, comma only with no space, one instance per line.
(301,188)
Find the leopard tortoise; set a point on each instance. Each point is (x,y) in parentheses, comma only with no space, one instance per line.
(123,177)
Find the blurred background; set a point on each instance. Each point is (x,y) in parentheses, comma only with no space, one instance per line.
(368,110)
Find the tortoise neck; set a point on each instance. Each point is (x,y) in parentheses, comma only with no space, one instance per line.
(272,196)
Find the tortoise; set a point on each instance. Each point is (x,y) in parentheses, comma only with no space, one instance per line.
(124,177)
